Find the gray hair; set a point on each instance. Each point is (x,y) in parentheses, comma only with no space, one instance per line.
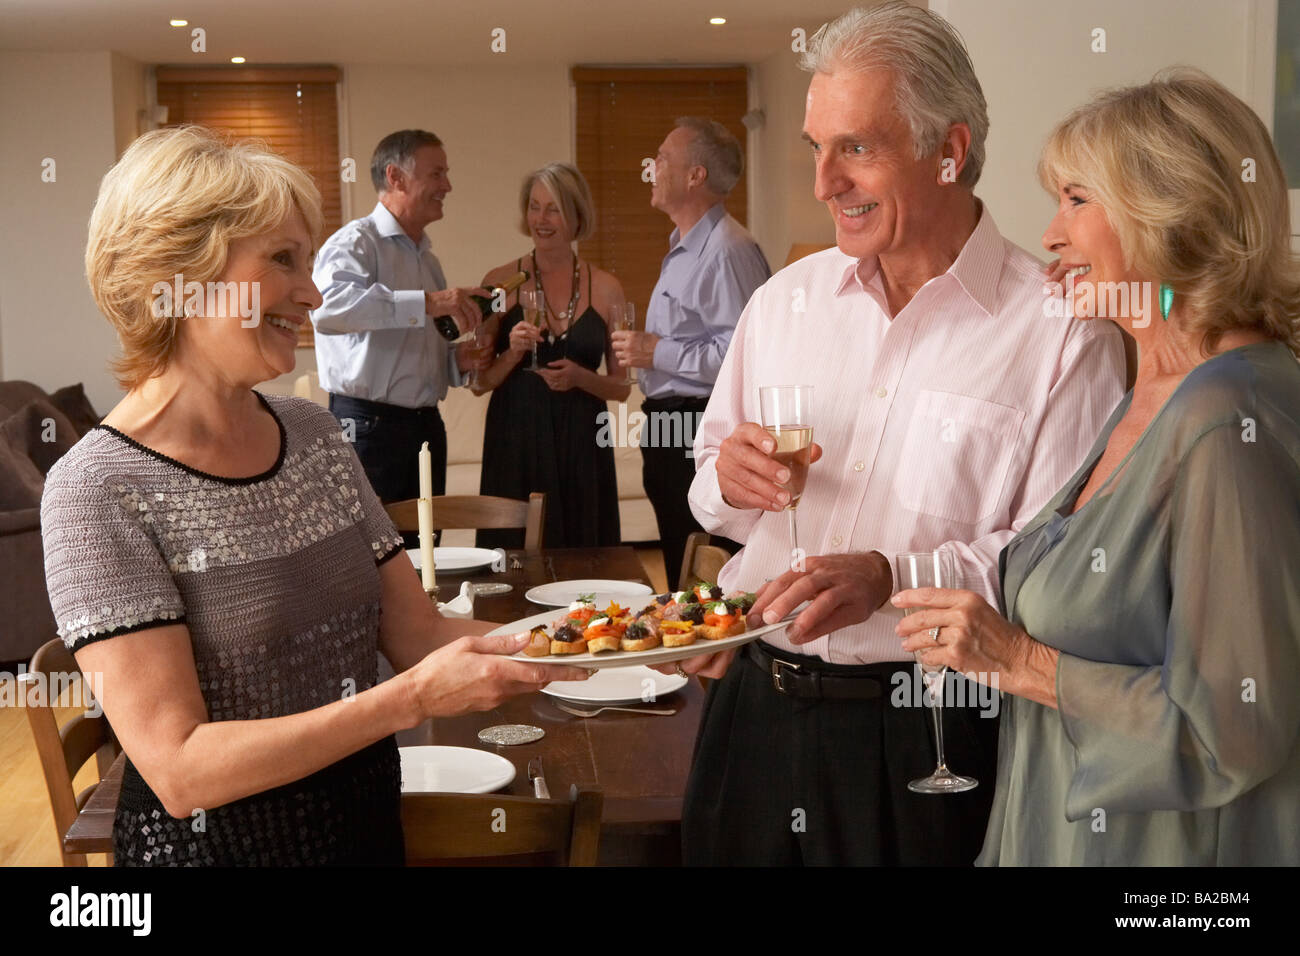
(398,149)
(714,148)
(935,83)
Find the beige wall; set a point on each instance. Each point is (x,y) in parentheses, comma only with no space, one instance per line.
(785,210)
(1035,64)
(129,98)
(56,105)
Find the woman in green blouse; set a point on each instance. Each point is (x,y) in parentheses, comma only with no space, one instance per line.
(1149,637)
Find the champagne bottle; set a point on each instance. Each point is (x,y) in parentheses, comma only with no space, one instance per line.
(446,325)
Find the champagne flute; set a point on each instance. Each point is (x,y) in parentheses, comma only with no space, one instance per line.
(481,350)
(931,569)
(533,302)
(787,416)
(626,322)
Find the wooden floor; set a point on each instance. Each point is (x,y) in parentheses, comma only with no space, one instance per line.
(27,835)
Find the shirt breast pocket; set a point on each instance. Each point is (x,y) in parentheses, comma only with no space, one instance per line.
(956,456)
(669,309)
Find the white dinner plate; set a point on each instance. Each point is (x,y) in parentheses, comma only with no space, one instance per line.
(564,593)
(660,655)
(453,770)
(457,559)
(617,685)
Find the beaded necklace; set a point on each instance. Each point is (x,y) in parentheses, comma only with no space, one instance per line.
(568,313)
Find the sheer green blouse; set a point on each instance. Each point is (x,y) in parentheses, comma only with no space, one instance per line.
(1174,598)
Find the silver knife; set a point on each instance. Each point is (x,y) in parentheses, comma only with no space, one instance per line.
(540,790)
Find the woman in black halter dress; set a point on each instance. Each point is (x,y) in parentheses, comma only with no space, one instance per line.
(542,426)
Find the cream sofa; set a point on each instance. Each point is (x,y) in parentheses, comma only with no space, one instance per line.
(464,414)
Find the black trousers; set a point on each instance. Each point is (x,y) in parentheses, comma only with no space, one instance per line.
(387,439)
(781,781)
(667,472)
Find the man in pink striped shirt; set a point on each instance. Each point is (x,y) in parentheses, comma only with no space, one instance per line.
(949,406)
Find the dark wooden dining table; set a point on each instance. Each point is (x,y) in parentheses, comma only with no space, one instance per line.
(639,762)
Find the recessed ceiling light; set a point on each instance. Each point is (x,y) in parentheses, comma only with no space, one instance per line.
(236,59)
(717,21)
(180,23)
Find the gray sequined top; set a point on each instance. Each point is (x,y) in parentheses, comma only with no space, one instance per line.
(276,577)
(1174,597)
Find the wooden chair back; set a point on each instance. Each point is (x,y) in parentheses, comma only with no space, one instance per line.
(494,829)
(477,511)
(63,751)
(701,561)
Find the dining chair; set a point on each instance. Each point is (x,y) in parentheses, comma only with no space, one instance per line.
(701,561)
(63,751)
(477,511)
(494,829)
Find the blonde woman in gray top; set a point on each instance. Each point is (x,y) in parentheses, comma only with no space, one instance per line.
(1150,653)
(219,557)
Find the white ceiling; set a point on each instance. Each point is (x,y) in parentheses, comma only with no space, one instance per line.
(416,32)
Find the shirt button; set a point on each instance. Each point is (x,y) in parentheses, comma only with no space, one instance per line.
(882,392)
(836,541)
(858,466)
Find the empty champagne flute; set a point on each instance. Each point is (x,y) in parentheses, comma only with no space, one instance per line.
(533,302)
(787,416)
(626,322)
(931,569)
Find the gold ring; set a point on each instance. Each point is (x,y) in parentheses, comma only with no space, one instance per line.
(680,672)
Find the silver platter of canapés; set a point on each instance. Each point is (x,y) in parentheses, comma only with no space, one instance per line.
(668,627)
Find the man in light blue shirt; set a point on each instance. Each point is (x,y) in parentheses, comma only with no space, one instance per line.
(380,358)
(712,268)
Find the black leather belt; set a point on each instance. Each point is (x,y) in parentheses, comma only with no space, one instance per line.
(820,680)
(343,404)
(675,403)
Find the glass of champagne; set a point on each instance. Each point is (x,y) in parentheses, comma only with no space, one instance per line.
(533,302)
(482,349)
(931,569)
(787,416)
(626,322)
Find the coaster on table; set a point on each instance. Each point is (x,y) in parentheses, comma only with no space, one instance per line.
(510,734)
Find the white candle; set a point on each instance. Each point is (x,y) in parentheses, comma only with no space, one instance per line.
(424,508)
(426,472)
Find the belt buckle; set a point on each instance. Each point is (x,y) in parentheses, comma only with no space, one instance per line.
(778,674)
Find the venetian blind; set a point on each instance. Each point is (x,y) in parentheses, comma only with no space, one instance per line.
(293,110)
(622,117)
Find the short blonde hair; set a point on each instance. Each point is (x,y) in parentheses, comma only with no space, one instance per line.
(173,204)
(571,193)
(1194,190)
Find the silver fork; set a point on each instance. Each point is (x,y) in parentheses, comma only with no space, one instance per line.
(576,712)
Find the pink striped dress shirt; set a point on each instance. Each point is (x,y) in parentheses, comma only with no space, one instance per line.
(947,427)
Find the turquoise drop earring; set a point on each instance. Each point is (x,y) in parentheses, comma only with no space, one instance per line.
(1166,301)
